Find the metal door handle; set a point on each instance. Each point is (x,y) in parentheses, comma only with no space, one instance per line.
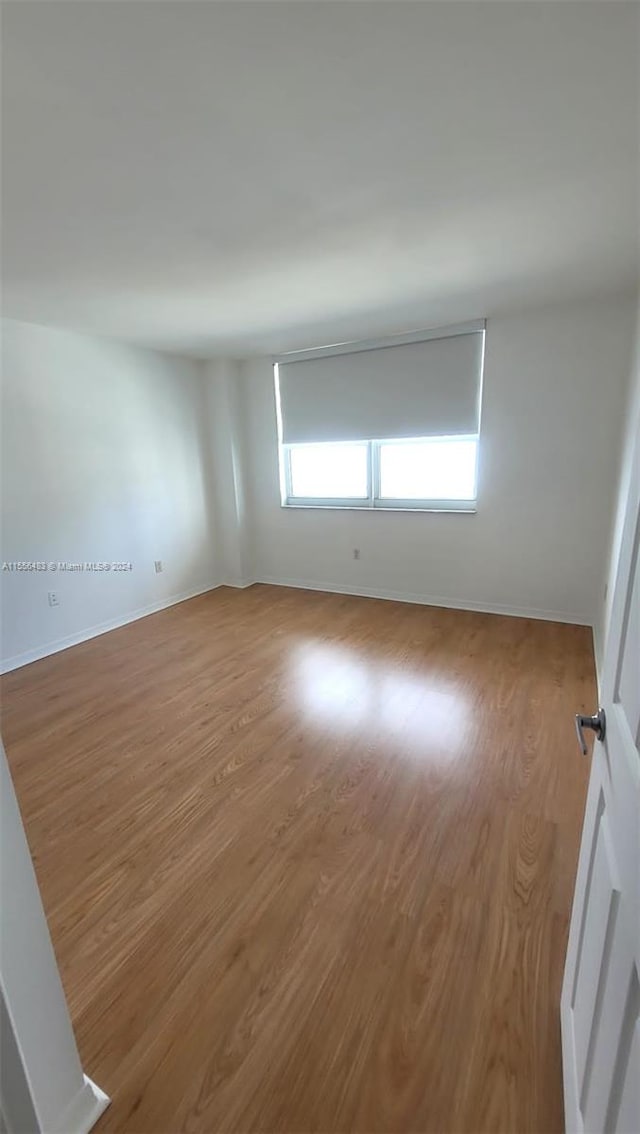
(598,723)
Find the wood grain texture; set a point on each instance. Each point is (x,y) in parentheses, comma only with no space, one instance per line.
(308,860)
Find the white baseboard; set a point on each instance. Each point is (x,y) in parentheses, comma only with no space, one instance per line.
(430,600)
(83,1111)
(58,644)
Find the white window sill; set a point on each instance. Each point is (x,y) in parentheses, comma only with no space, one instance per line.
(466,508)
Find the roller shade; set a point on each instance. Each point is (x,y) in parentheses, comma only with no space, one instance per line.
(413,389)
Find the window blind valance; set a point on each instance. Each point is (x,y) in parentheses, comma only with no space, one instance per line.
(424,388)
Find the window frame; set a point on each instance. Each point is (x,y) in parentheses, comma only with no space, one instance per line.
(373,502)
(291,501)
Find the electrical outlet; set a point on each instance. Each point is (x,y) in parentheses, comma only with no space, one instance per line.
(53,598)
(158,566)
(356,553)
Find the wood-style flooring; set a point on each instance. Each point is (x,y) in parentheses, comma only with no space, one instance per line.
(308,860)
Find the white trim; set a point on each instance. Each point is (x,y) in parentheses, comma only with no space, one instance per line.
(83,1111)
(597,658)
(46,1091)
(430,600)
(55,647)
(569,1063)
(448,507)
(282,461)
(58,644)
(353,346)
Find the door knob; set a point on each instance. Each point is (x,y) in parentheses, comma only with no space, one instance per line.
(598,723)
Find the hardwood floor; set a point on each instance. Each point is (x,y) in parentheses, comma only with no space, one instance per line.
(308,860)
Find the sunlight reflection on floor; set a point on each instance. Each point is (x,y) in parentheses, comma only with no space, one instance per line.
(344,692)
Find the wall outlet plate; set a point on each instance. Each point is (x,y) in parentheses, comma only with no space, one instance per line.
(53,598)
(158,566)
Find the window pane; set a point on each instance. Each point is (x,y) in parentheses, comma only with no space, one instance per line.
(330,472)
(440,468)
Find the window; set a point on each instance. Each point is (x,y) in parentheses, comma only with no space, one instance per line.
(329,472)
(393,423)
(417,473)
(434,468)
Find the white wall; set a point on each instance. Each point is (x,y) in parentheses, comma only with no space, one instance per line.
(105,453)
(114,453)
(554,399)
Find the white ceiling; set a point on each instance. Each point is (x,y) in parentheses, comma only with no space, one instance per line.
(216,178)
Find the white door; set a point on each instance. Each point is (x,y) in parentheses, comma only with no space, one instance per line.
(600,1008)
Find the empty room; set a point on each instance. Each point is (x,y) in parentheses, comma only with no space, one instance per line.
(320,582)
